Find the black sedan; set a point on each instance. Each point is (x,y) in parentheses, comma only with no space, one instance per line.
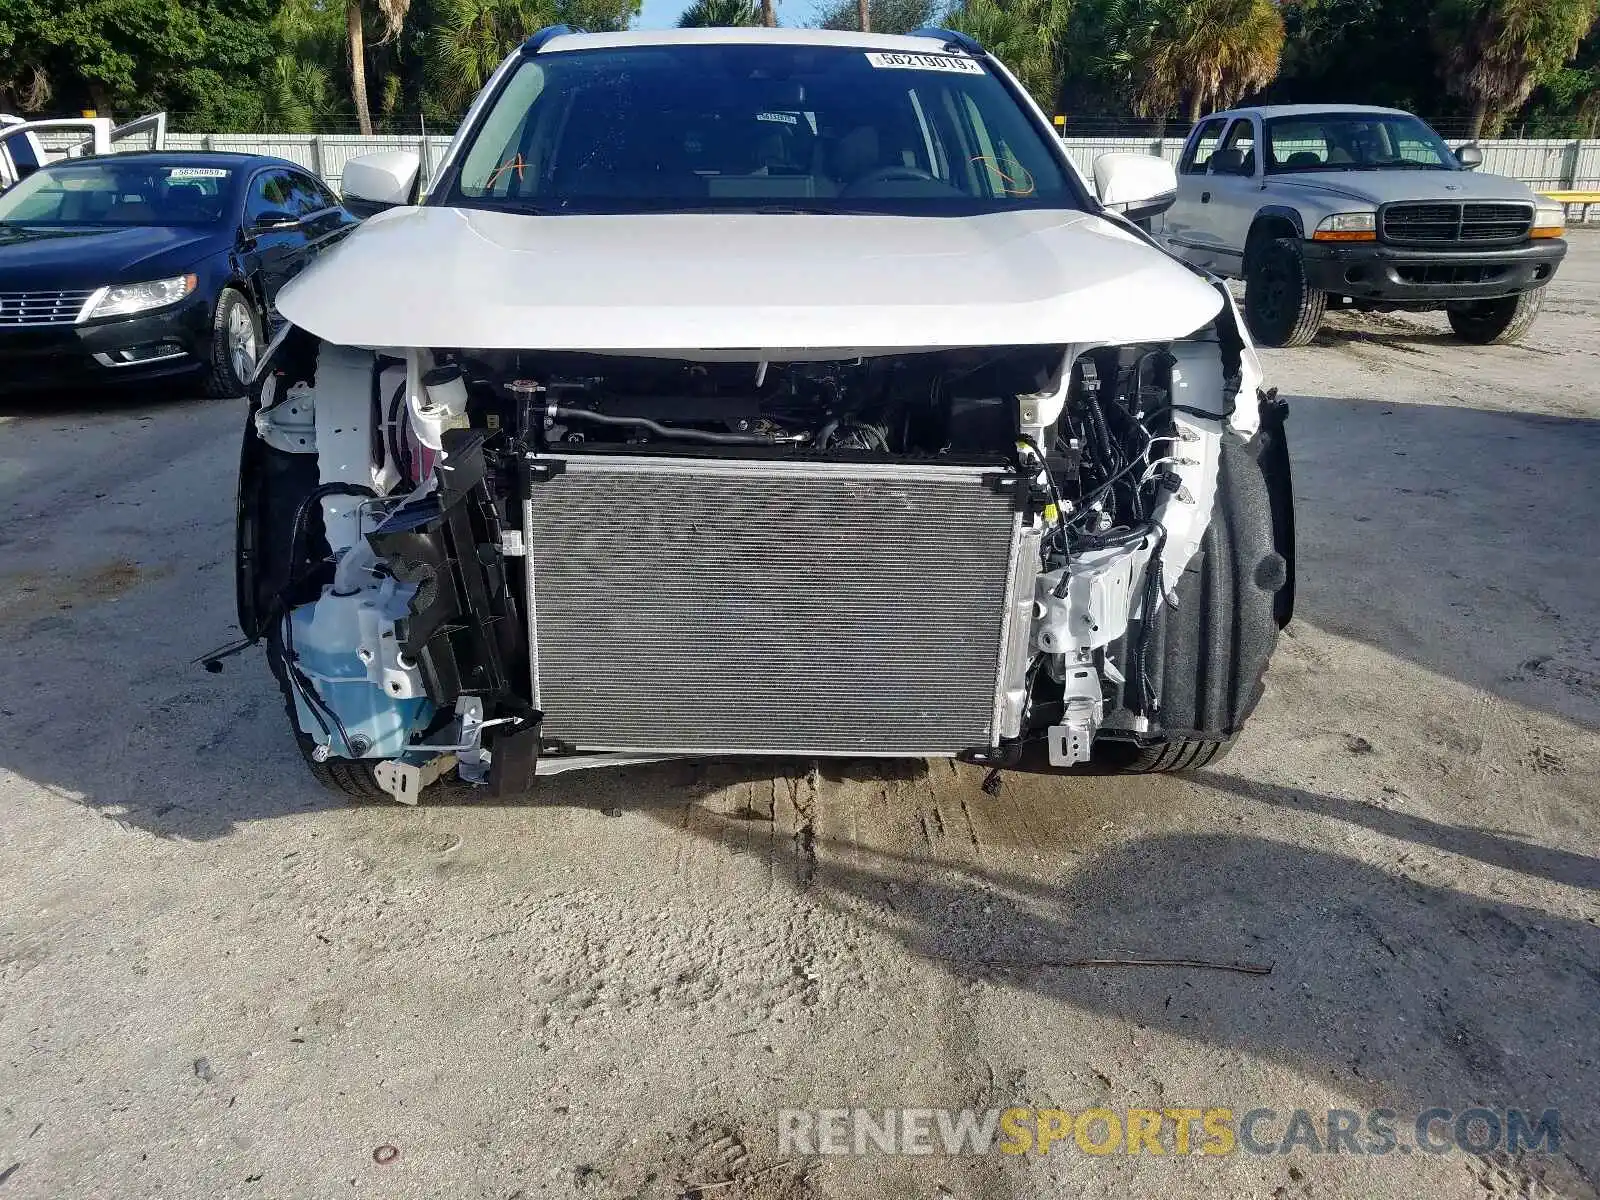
(134,267)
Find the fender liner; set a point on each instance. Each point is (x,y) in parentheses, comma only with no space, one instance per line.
(1207,655)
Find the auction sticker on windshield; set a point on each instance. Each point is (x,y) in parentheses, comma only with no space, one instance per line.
(924,62)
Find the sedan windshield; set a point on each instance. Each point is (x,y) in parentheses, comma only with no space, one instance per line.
(108,192)
(1353,141)
(758,127)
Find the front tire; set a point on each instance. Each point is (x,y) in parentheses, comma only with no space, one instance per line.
(235,345)
(1495,322)
(1280,305)
(1167,758)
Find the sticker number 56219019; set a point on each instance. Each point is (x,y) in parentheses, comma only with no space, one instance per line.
(924,62)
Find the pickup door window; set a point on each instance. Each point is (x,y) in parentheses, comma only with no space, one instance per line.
(1233,184)
(1182,222)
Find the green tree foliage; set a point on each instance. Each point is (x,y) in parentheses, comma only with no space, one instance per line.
(1384,46)
(286,65)
(1026,35)
(1495,52)
(883,16)
(1198,54)
(704,14)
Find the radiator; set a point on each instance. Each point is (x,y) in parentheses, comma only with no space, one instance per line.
(717,606)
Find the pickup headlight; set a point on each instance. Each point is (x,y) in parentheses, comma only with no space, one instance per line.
(1549,222)
(124,299)
(1347,227)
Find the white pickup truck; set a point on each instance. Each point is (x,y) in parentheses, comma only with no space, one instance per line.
(1316,206)
(23,151)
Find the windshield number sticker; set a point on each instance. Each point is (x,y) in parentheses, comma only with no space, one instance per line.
(883,59)
(197,173)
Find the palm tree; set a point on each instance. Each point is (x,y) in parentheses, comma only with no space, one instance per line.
(471,37)
(1026,35)
(392,14)
(704,14)
(1494,52)
(1208,52)
(883,16)
(863,16)
(294,97)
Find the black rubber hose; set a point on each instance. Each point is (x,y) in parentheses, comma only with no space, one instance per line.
(297,529)
(655,427)
(397,444)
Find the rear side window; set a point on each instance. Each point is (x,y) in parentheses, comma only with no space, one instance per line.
(272,191)
(309,197)
(1200,149)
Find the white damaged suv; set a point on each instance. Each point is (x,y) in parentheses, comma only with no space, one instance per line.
(758,392)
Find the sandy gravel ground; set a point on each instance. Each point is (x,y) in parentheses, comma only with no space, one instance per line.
(216,982)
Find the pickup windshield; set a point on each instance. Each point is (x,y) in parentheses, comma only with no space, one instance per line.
(741,127)
(1353,141)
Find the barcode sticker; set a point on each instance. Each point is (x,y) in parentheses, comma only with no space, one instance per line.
(924,62)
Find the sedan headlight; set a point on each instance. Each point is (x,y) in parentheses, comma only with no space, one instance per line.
(124,299)
(1347,227)
(1549,222)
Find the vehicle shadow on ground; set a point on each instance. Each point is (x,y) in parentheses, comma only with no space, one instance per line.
(126,401)
(1386,986)
(1457,538)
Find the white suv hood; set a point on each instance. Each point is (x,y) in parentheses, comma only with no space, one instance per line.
(772,283)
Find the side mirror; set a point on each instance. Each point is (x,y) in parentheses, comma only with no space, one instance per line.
(1139,186)
(273,219)
(1470,157)
(375,182)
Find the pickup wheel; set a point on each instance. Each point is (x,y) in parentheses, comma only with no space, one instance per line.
(1280,305)
(1495,322)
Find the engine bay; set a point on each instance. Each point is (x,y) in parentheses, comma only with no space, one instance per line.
(948,403)
(390,562)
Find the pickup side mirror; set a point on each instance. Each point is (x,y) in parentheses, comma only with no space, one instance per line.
(1139,186)
(273,219)
(374,182)
(1470,157)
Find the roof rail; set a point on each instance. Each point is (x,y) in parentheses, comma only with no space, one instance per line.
(952,39)
(536,42)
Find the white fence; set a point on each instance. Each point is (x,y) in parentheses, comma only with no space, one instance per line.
(1549,164)
(324,153)
(1545,164)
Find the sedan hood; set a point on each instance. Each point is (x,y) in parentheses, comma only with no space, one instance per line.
(1385,187)
(771,283)
(45,258)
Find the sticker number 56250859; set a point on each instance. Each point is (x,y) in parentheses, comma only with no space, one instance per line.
(924,62)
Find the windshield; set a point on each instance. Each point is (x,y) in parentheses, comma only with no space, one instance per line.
(769,127)
(1355,142)
(107,192)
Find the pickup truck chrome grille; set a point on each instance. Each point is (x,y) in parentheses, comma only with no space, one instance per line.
(19,310)
(1418,223)
(747,607)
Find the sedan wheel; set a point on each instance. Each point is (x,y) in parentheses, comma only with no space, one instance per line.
(235,345)
(242,342)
